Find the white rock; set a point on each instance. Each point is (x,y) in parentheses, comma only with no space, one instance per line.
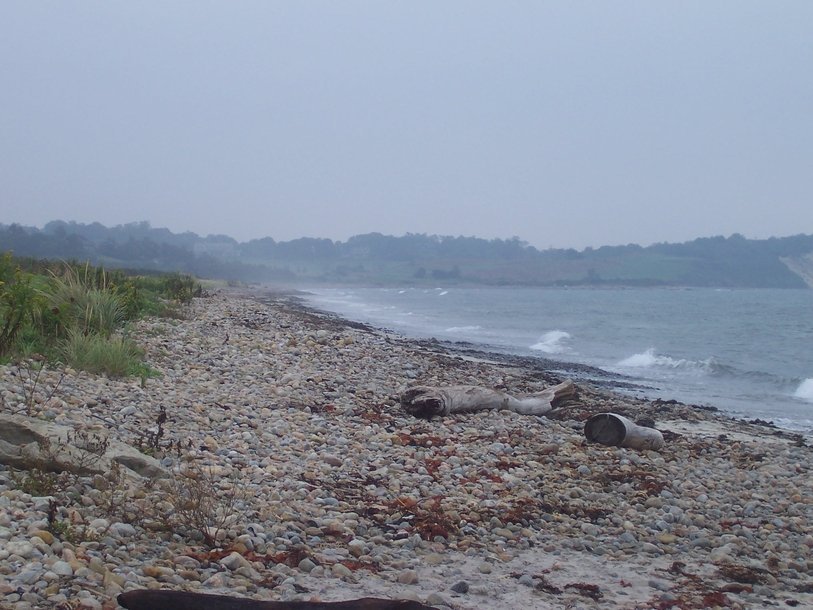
(233,561)
(62,568)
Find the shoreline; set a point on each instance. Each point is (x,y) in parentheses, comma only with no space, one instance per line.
(345,495)
(594,377)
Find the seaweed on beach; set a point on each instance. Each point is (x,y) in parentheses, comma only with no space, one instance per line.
(586,589)
(742,574)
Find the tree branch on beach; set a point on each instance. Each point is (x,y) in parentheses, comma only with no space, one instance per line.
(183,600)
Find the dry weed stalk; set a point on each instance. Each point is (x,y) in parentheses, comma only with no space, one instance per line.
(28,373)
(199,504)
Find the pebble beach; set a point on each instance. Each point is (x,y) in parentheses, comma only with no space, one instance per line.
(329,491)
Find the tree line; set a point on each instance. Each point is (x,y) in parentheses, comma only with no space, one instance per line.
(710,261)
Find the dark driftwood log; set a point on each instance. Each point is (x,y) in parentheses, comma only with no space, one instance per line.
(617,430)
(183,600)
(425,401)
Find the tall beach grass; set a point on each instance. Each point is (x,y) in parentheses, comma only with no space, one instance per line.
(114,355)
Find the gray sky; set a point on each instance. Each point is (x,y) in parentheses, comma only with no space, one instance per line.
(568,124)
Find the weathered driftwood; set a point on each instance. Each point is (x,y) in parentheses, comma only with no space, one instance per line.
(616,430)
(144,599)
(425,401)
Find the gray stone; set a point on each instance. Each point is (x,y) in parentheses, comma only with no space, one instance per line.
(460,587)
(436,599)
(29,576)
(233,561)
(21,439)
(527,580)
(341,571)
(122,530)
(23,549)
(62,568)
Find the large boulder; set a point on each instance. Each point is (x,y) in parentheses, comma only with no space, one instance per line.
(27,443)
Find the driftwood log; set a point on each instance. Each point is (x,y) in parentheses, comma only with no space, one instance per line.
(616,430)
(144,599)
(425,401)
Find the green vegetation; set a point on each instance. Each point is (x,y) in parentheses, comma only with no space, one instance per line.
(78,314)
(114,356)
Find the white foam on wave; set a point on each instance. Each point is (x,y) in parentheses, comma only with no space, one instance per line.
(440,294)
(805,390)
(552,342)
(462,329)
(651,359)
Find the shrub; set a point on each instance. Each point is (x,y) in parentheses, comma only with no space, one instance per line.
(17,302)
(182,288)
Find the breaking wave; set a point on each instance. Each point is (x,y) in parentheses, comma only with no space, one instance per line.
(552,342)
(462,329)
(805,390)
(651,359)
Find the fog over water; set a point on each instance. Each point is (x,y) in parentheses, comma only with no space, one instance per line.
(567,124)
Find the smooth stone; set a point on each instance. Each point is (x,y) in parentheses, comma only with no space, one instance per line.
(436,599)
(460,586)
(23,549)
(123,530)
(99,525)
(408,577)
(62,568)
(28,576)
(234,561)
(216,581)
(340,570)
(356,547)
(527,580)
(44,535)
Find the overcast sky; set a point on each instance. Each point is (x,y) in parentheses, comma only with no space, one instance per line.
(568,124)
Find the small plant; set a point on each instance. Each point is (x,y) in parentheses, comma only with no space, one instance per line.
(89,448)
(65,530)
(149,441)
(36,482)
(117,499)
(197,506)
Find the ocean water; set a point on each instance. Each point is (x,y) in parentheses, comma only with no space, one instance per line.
(746,352)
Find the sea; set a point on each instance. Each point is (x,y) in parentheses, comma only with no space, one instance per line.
(748,353)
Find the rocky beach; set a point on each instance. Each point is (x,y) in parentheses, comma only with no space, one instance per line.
(284,425)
